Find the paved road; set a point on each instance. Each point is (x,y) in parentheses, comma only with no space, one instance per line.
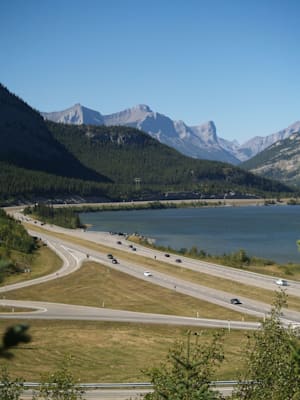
(218,297)
(73,255)
(236,275)
(44,310)
(120,394)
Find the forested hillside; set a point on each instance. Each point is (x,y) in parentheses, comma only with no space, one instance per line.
(123,154)
(29,185)
(40,159)
(280,161)
(25,141)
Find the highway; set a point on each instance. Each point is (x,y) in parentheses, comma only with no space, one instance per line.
(73,255)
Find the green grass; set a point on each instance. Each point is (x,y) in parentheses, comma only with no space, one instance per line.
(107,351)
(43,262)
(115,352)
(97,285)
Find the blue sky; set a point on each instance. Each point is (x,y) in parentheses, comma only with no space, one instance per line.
(235,62)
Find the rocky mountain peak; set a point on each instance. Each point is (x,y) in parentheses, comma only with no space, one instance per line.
(143,107)
(207,132)
(201,141)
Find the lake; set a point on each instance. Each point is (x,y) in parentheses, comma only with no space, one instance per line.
(264,231)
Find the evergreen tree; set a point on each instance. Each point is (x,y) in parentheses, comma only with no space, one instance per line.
(272,361)
(187,373)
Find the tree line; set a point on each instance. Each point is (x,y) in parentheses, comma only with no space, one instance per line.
(66,217)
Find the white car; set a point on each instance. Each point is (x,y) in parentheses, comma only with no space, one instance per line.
(147,273)
(281,282)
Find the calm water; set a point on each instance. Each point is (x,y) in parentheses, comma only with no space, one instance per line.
(269,232)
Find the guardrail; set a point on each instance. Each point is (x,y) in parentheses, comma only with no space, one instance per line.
(126,385)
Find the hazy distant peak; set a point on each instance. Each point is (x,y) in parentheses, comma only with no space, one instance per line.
(77,114)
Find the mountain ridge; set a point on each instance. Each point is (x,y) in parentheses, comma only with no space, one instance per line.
(198,141)
(280,161)
(41,158)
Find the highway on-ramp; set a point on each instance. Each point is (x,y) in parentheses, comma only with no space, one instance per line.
(73,255)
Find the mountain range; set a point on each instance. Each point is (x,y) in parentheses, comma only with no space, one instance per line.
(201,141)
(279,161)
(40,158)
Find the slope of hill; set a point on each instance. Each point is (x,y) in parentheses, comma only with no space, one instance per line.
(200,141)
(39,158)
(258,144)
(196,141)
(25,141)
(280,161)
(123,154)
(22,185)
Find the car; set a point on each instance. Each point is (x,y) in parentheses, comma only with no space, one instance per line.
(119,242)
(147,273)
(178,260)
(281,282)
(114,261)
(110,256)
(133,248)
(235,301)
(167,255)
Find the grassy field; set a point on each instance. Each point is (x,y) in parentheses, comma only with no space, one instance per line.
(43,262)
(97,285)
(116,352)
(109,352)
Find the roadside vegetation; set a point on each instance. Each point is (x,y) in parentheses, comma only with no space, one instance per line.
(271,360)
(16,247)
(66,217)
(238,259)
(183,273)
(22,257)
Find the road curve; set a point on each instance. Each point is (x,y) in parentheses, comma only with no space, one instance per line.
(73,256)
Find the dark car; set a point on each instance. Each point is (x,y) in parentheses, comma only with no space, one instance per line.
(110,256)
(178,260)
(167,255)
(235,301)
(114,261)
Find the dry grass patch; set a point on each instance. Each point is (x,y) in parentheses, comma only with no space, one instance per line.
(97,285)
(108,352)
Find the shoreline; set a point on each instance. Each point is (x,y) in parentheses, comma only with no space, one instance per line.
(193,203)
